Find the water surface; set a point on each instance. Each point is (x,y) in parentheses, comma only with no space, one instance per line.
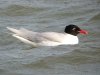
(17,58)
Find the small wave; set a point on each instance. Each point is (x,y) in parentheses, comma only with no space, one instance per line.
(96,17)
(18,10)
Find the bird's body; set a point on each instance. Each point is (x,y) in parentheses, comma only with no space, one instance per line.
(44,38)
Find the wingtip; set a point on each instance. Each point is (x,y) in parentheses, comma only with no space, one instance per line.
(9,28)
(13,30)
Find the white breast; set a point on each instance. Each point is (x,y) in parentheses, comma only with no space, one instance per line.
(70,39)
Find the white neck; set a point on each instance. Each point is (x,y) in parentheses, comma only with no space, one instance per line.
(70,39)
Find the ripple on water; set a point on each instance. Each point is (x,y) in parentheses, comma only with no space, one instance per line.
(19,10)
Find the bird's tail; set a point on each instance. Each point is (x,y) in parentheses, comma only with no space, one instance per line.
(17,34)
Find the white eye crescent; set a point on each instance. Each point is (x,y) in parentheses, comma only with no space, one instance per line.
(73,29)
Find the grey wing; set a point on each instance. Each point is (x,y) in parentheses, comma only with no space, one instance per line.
(29,35)
(35,36)
(24,33)
(53,36)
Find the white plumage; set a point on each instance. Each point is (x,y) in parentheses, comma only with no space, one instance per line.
(43,38)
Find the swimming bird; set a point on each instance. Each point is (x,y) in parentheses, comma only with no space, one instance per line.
(68,37)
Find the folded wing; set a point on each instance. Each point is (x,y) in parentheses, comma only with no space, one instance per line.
(34,38)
